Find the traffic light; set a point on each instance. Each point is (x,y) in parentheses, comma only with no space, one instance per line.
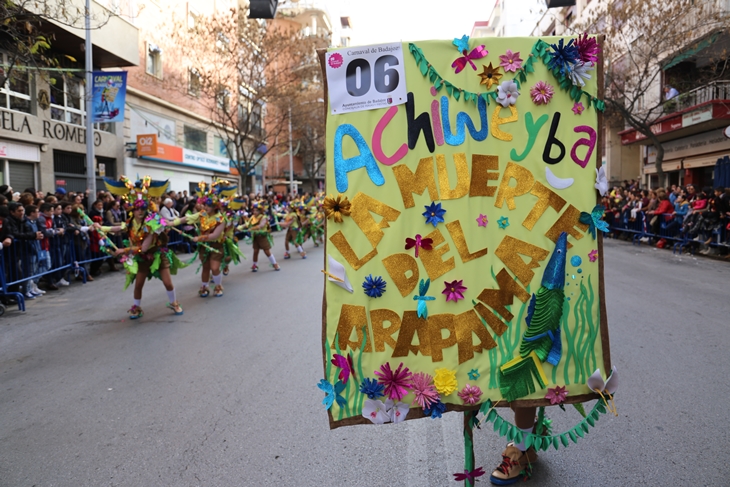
(262,9)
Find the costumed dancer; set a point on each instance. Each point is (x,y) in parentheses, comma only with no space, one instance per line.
(230,245)
(294,234)
(211,224)
(146,254)
(260,229)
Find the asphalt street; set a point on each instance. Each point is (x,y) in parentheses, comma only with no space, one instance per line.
(226,394)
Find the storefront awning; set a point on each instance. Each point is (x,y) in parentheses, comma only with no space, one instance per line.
(704,160)
(700,46)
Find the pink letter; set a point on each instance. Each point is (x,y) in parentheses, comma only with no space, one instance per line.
(378,137)
(591,143)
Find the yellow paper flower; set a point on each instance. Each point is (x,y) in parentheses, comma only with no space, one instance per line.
(490,76)
(445,381)
(336,207)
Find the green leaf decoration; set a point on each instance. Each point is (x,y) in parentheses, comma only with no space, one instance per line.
(504,428)
(594,415)
(585,427)
(492,415)
(519,436)
(600,408)
(564,440)
(556,442)
(579,407)
(579,431)
(591,421)
(571,433)
(511,433)
(497,423)
(529,441)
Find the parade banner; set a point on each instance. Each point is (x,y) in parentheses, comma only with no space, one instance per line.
(464,262)
(109,92)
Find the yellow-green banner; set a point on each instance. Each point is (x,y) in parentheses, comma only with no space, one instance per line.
(463,257)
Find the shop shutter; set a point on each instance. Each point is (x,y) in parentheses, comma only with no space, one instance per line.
(22,175)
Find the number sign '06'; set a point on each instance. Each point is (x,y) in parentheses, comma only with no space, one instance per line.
(365,78)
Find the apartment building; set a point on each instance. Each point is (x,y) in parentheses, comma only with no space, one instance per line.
(42,112)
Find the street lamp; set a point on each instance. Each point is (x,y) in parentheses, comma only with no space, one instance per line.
(90,162)
(291,160)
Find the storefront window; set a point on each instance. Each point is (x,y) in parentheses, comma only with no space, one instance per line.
(223,148)
(195,139)
(15,93)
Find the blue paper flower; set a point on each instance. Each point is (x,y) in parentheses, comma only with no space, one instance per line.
(371,388)
(563,57)
(434,214)
(374,286)
(474,374)
(436,410)
(332,393)
(503,222)
(462,44)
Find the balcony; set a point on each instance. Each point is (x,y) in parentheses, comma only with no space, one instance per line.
(716,90)
(312,15)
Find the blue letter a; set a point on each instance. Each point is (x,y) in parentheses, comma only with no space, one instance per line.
(365,159)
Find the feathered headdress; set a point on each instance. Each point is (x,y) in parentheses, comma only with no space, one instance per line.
(217,192)
(137,193)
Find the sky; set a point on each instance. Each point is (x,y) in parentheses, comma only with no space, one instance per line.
(380,21)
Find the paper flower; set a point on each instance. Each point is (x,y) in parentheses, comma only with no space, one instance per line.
(344,363)
(454,290)
(587,48)
(467,57)
(422,298)
(396,383)
(579,74)
(490,76)
(470,394)
(434,214)
(445,381)
(337,274)
(594,220)
(332,393)
(601,181)
(470,476)
(578,108)
(593,255)
(595,382)
(557,395)
(336,208)
(474,374)
(397,412)
(541,93)
(507,93)
(424,391)
(435,410)
(503,222)
(563,57)
(374,286)
(419,242)
(510,61)
(371,388)
(482,220)
(375,411)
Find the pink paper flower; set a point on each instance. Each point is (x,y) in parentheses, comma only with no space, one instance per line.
(587,48)
(454,290)
(557,395)
(424,390)
(510,61)
(470,394)
(542,93)
(396,383)
(593,255)
(578,108)
(482,220)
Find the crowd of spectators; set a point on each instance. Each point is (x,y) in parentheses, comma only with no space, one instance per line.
(39,222)
(700,217)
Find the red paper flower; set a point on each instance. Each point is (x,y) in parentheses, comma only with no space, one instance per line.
(454,290)
(396,383)
(470,394)
(557,395)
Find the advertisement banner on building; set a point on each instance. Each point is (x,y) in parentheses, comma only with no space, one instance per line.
(494,293)
(148,147)
(109,91)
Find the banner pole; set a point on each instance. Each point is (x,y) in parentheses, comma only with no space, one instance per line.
(468,447)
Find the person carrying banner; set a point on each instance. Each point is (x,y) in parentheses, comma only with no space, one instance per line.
(146,254)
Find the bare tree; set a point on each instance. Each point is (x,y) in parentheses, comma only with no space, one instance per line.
(248,74)
(26,36)
(642,36)
(308,116)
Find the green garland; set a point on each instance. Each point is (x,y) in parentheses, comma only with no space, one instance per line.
(541,442)
(540,50)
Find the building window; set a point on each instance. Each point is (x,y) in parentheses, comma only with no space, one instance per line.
(154,60)
(193,82)
(67,99)
(15,93)
(223,148)
(195,139)
(223,99)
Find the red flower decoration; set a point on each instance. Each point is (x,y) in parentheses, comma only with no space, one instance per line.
(396,383)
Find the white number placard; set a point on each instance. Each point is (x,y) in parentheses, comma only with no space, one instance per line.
(365,78)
